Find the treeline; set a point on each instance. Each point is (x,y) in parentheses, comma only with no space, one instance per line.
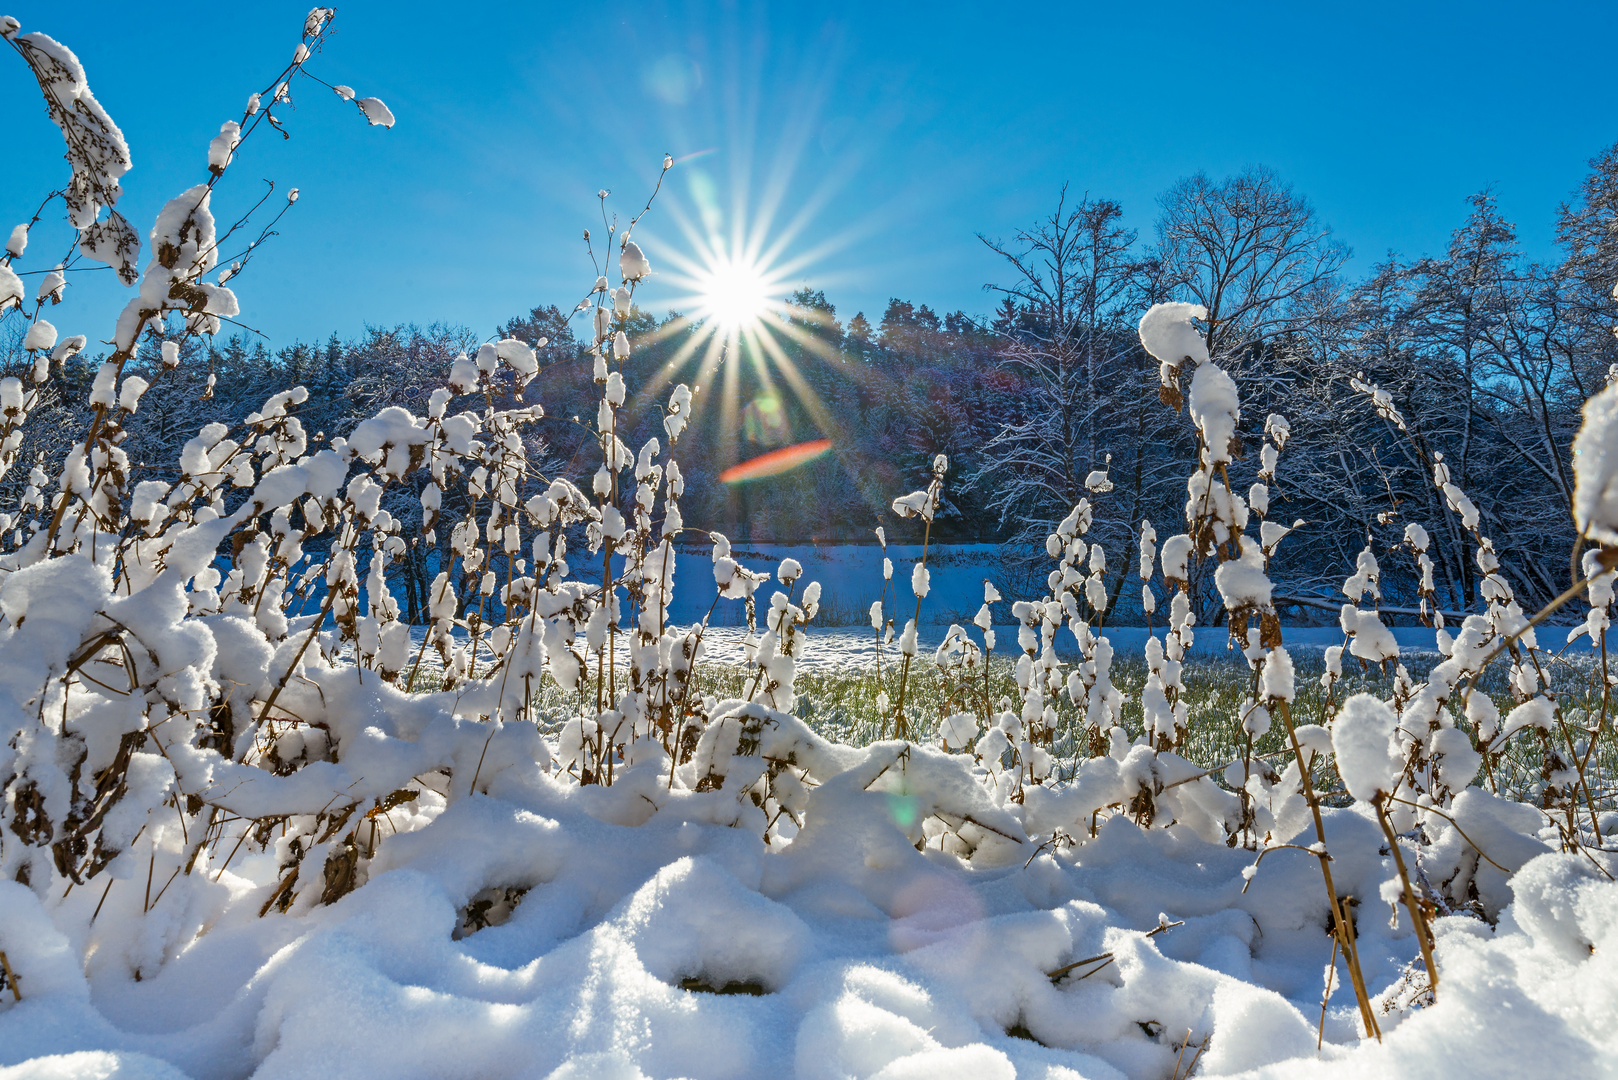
(1487,354)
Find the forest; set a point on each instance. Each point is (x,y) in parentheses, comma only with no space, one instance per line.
(1487,354)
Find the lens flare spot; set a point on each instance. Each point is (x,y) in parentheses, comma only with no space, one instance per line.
(764,422)
(905,809)
(776,462)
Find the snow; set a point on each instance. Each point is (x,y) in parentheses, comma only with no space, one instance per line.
(12,292)
(1214,409)
(1362,740)
(1242,582)
(41,336)
(1595,469)
(1168,334)
(899,916)
(1278,675)
(68,347)
(51,287)
(632,262)
(223,146)
(375,112)
(845,950)
(1370,639)
(881,961)
(96,148)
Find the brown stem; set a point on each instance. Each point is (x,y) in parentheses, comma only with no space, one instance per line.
(1331,970)
(11,977)
(1339,917)
(900,729)
(1418,918)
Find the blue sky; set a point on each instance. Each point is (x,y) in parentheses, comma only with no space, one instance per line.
(866,143)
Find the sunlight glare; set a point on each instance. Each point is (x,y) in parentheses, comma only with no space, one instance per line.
(735,293)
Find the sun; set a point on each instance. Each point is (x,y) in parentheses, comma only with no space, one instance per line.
(734,293)
(742,334)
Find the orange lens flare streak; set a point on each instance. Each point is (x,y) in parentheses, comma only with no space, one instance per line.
(775,462)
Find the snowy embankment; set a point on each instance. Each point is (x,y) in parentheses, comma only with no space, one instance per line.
(851,577)
(837,647)
(850,648)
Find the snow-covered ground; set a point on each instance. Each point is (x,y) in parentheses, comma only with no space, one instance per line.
(865,957)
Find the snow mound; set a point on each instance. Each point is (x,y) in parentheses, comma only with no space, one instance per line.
(678,947)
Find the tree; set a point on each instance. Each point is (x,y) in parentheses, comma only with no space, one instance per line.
(1243,248)
(1066,341)
(859,334)
(810,311)
(1587,229)
(1247,249)
(550,323)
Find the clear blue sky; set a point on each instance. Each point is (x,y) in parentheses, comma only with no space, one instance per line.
(885,136)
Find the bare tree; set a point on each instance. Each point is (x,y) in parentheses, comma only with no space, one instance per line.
(1074,270)
(1244,248)
(1587,229)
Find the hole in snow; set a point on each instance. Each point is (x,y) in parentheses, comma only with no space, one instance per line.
(489,907)
(1019,1030)
(701,985)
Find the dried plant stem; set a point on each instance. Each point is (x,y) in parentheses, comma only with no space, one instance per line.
(232,854)
(1595,736)
(1331,970)
(1181,1055)
(103,899)
(901,730)
(1418,917)
(1103,959)
(11,977)
(1344,934)
(286,883)
(1191,1068)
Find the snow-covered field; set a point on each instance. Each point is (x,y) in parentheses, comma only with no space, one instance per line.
(837,647)
(301,870)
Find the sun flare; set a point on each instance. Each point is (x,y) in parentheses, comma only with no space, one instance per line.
(735,294)
(746,336)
